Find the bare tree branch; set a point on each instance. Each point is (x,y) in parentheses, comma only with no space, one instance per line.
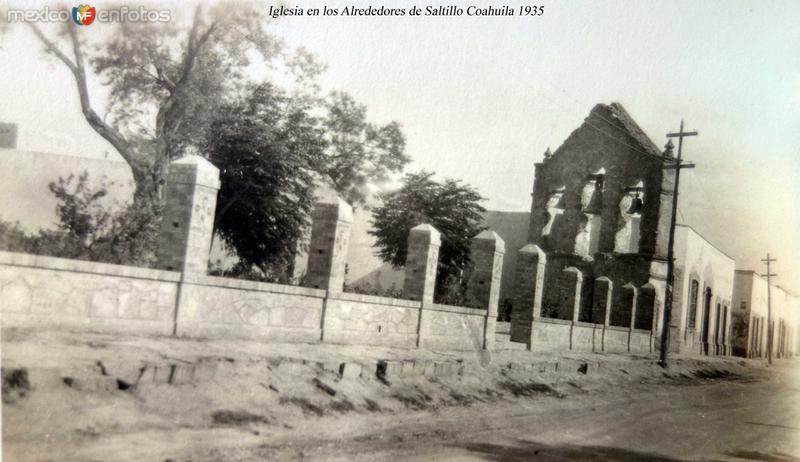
(109,133)
(194,45)
(51,48)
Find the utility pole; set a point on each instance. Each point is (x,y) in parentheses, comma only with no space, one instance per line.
(769,275)
(666,319)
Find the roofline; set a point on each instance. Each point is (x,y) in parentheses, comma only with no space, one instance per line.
(776,286)
(707,241)
(117,160)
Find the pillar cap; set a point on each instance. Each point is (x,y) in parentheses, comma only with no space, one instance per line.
(343,210)
(532,248)
(205,173)
(489,235)
(424,228)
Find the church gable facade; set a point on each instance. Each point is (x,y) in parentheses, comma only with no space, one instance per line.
(599,225)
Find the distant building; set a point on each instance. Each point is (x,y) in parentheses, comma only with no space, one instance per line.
(751,318)
(24,176)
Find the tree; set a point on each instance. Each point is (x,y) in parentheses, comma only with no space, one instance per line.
(88,228)
(453,208)
(359,152)
(267,147)
(167,84)
(165,81)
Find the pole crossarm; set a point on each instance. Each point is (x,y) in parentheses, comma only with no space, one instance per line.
(683,165)
(681,134)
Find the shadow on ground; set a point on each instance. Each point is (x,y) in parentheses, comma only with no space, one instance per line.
(763,457)
(533,451)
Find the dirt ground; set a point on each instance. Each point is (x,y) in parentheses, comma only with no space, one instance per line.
(92,397)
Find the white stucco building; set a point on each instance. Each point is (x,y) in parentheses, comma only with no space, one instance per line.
(751,317)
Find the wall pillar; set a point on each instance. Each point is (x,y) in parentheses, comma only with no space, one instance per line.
(634,303)
(608,304)
(327,250)
(421,263)
(577,298)
(188,219)
(528,289)
(483,287)
(608,298)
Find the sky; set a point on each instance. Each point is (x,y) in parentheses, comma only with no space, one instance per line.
(481,98)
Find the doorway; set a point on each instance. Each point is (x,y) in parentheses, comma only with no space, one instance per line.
(706,318)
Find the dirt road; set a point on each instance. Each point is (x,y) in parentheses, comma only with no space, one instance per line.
(720,420)
(92,397)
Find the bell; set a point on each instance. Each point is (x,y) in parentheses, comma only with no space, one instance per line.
(636,206)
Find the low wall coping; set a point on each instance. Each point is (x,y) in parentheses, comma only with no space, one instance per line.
(242,284)
(593,325)
(455,309)
(378,300)
(619,328)
(566,322)
(82,266)
(642,331)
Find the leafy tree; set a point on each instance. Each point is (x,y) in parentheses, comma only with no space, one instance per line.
(164,80)
(359,152)
(88,228)
(168,83)
(267,147)
(453,208)
(14,239)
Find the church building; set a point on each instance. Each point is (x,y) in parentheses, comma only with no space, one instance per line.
(593,274)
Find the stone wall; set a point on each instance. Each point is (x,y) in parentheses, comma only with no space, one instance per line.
(47,292)
(216,307)
(454,328)
(39,291)
(597,338)
(372,320)
(183,300)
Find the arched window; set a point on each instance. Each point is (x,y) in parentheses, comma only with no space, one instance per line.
(624,299)
(555,208)
(646,306)
(587,241)
(630,207)
(601,300)
(704,328)
(724,324)
(693,292)
(568,286)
